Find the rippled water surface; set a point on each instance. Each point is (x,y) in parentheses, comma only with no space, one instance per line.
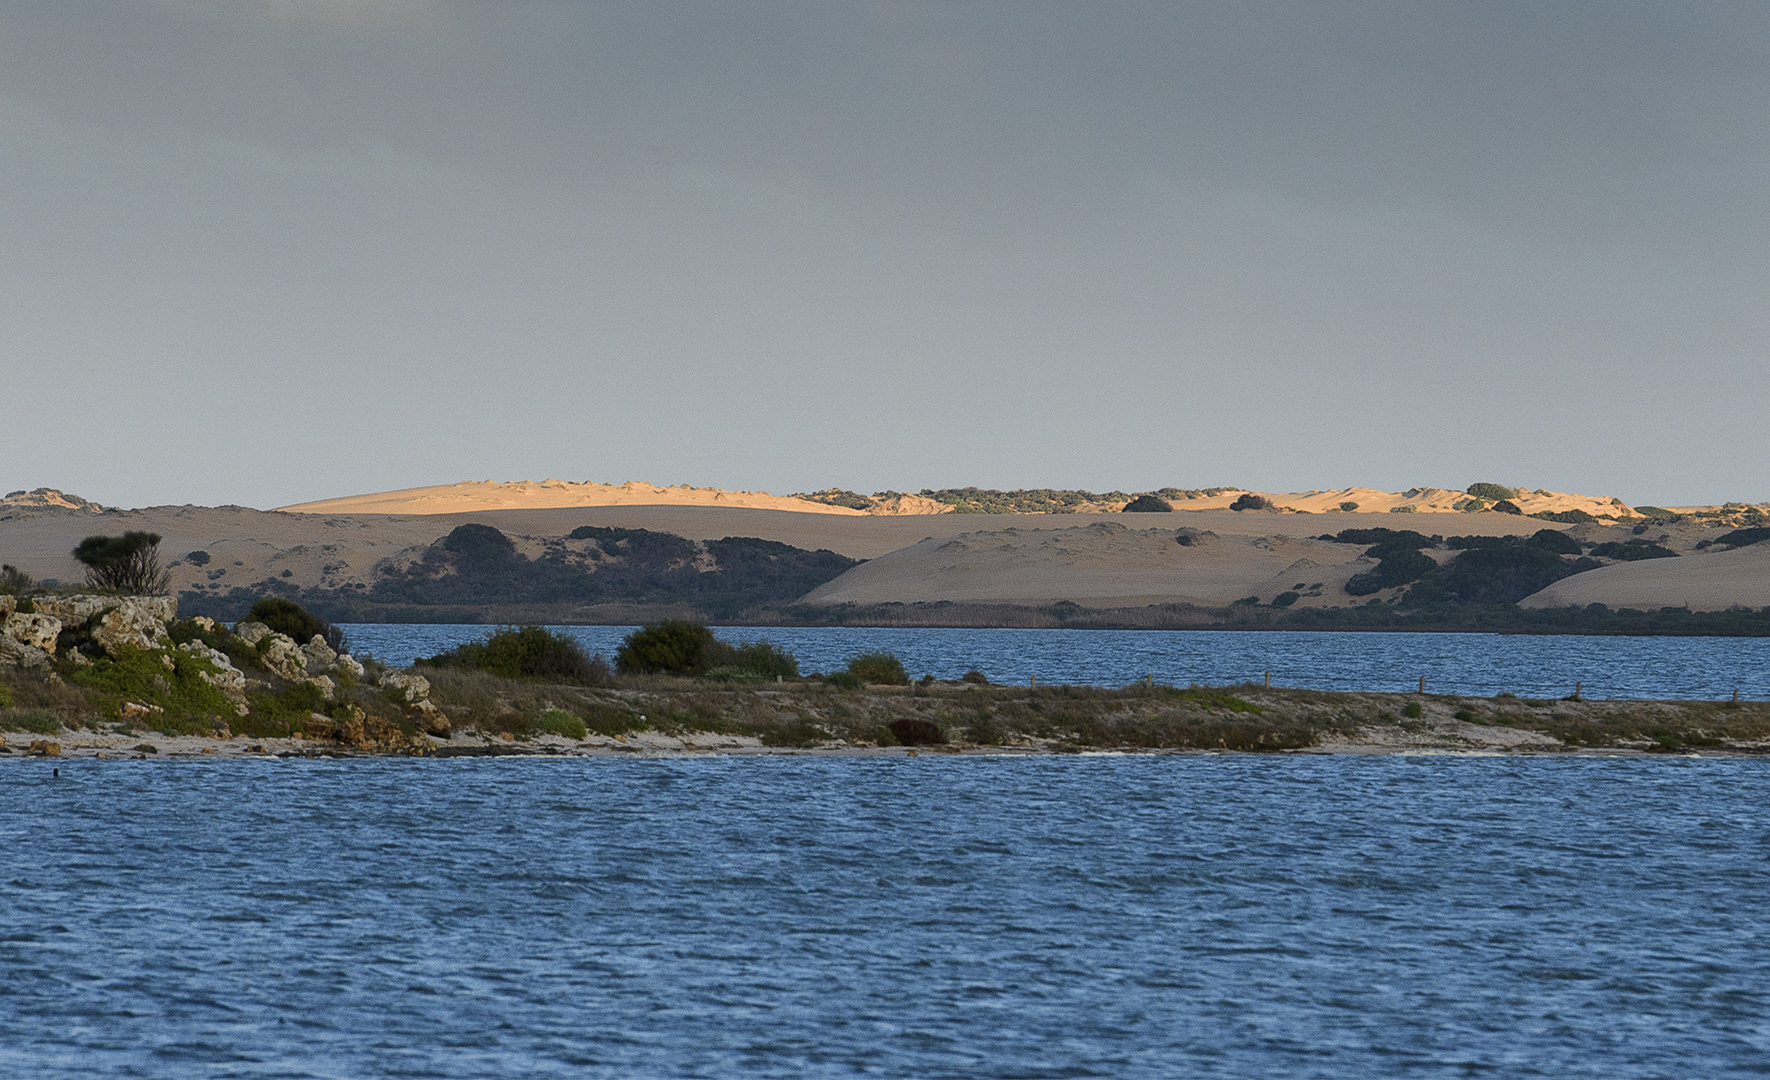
(939,917)
(1482,664)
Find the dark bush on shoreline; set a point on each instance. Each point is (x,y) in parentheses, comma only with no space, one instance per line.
(917,733)
(672,647)
(1566,517)
(1400,565)
(878,667)
(288,617)
(682,647)
(526,652)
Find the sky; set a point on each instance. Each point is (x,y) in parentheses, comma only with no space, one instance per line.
(268,251)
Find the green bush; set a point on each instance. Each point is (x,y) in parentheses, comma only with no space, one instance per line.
(878,667)
(1491,491)
(189,702)
(1286,599)
(762,660)
(1565,517)
(1148,504)
(1743,537)
(287,617)
(559,722)
(1412,710)
(5,697)
(1348,507)
(197,558)
(526,652)
(34,722)
(845,680)
(1507,506)
(1656,513)
(1250,501)
(672,647)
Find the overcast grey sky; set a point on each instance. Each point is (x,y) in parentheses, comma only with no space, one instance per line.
(263,252)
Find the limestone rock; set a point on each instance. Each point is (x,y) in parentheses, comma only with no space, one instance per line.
(44,748)
(410,688)
(138,621)
(318,656)
(328,688)
(205,623)
(73,611)
(38,631)
(253,632)
(16,654)
(319,726)
(282,655)
(136,710)
(431,720)
(230,680)
(349,665)
(8,605)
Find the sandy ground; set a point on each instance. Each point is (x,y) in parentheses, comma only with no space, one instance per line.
(1440,736)
(1701,581)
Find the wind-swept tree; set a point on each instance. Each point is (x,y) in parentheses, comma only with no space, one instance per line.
(127,564)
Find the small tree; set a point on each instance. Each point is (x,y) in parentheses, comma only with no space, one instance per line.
(1250,501)
(127,564)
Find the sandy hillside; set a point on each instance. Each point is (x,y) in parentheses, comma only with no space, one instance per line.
(246,546)
(1702,581)
(1104,564)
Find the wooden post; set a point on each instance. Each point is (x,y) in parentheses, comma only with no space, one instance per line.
(1576,687)
(1269,680)
(1422,684)
(1149,681)
(1033,681)
(1736,696)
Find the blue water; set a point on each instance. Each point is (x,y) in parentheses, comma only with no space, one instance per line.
(1705,668)
(1209,916)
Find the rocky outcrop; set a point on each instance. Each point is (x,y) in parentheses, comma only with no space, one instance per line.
(113,621)
(280,654)
(413,691)
(28,641)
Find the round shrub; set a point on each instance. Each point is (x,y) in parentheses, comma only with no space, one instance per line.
(1148,504)
(1250,501)
(1491,491)
(1286,599)
(527,652)
(879,667)
(287,617)
(672,647)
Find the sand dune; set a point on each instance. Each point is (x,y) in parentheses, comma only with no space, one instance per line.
(1104,564)
(1703,581)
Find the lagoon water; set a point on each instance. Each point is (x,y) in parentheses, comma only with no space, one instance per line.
(1477,664)
(1196,915)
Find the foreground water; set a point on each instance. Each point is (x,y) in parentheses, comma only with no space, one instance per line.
(1695,668)
(930,917)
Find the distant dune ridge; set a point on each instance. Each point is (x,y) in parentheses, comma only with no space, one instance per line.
(950,545)
(476,495)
